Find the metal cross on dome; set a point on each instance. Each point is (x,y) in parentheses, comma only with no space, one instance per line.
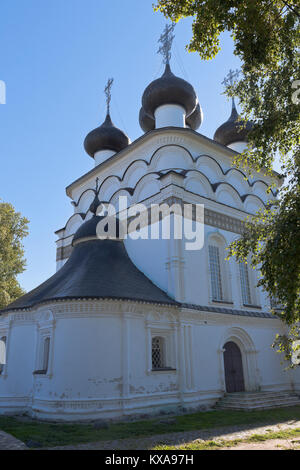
(107,91)
(166,40)
(231,77)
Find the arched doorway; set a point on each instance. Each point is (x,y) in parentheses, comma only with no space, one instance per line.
(233,366)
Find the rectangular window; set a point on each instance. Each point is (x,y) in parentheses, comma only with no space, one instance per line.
(215,273)
(245,285)
(157,352)
(2,353)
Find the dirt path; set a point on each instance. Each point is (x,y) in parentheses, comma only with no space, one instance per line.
(8,442)
(180,438)
(274,444)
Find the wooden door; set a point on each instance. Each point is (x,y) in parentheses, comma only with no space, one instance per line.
(233,365)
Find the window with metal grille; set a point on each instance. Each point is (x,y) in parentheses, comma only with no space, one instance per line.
(2,353)
(245,284)
(215,273)
(157,352)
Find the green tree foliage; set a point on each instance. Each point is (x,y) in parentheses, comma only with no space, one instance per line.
(266,38)
(13,228)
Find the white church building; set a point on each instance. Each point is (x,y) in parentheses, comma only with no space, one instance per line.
(128,326)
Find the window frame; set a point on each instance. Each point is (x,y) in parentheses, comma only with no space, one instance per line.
(254,290)
(168,333)
(5,332)
(45,331)
(3,338)
(215,239)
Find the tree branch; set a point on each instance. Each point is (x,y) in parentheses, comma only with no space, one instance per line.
(291,8)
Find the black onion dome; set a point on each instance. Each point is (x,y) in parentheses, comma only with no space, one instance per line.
(195,119)
(105,137)
(169,89)
(147,123)
(233,130)
(88,230)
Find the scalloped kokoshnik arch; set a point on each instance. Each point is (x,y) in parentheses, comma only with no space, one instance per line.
(232,180)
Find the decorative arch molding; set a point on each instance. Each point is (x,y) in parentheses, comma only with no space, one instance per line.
(253,203)
(238,181)
(146,187)
(134,172)
(82,195)
(109,187)
(73,224)
(85,201)
(233,169)
(188,163)
(210,167)
(217,236)
(249,357)
(45,315)
(261,191)
(231,192)
(181,158)
(194,178)
(127,192)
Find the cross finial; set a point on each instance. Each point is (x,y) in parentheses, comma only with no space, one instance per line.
(230,80)
(166,40)
(231,77)
(107,91)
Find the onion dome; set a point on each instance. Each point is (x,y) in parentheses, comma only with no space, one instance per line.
(195,119)
(105,137)
(169,89)
(233,130)
(88,230)
(147,123)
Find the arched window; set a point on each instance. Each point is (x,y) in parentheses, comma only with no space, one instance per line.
(158,361)
(215,273)
(46,354)
(245,284)
(2,353)
(219,269)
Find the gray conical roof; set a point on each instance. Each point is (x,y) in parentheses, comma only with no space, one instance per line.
(96,269)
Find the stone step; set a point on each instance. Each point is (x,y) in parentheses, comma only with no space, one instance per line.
(259,394)
(234,403)
(257,407)
(258,400)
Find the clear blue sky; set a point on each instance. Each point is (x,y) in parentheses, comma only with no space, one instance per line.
(55,58)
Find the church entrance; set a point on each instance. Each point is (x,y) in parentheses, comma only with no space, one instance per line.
(233,365)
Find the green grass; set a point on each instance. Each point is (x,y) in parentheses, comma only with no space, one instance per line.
(215,445)
(50,435)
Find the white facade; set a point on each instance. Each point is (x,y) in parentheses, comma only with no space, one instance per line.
(94,358)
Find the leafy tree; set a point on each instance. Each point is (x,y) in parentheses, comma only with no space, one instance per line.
(266,38)
(13,228)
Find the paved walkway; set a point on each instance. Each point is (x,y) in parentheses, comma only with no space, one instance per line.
(179,438)
(8,442)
